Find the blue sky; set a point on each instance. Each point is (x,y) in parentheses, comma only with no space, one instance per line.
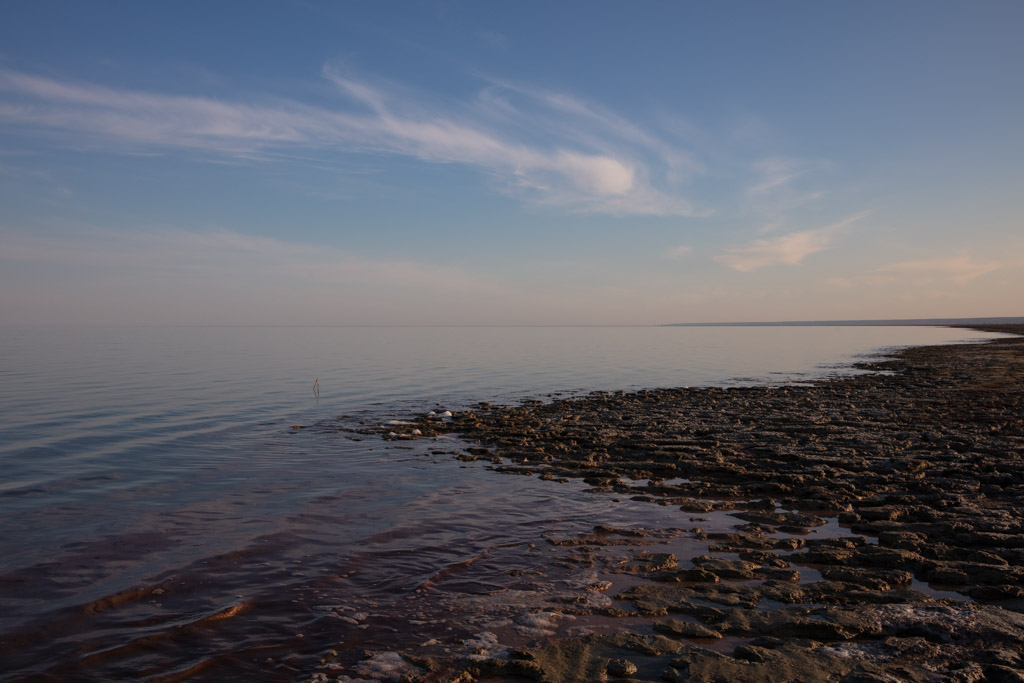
(509,163)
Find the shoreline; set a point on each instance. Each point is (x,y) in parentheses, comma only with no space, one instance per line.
(921,461)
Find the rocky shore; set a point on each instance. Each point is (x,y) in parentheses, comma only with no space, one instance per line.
(920,462)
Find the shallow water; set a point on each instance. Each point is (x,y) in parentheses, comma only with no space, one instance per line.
(161,516)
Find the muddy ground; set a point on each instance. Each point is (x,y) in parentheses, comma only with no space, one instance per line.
(920,461)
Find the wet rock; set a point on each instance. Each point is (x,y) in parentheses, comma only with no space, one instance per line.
(947,576)
(888,513)
(876,579)
(982,557)
(752,663)
(840,543)
(621,668)
(764,558)
(657,600)
(699,575)
(787,623)
(572,661)
(693,505)
(906,540)
(776,574)
(996,593)
(752,653)
(635,642)
(726,569)
(649,563)
(826,556)
(777,519)
(889,558)
(684,629)
(995,673)
(987,574)
(734,542)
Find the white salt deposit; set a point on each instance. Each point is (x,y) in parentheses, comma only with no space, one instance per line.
(539,623)
(386,665)
(484,646)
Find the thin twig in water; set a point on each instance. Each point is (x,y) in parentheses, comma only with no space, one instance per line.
(316,387)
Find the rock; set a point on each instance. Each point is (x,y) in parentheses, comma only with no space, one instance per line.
(906,540)
(649,563)
(876,579)
(621,668)
(684,629)
(752,653)
(947,576)
(995,673)
(972,672)
(888,512)
(994,593)
(648,645)
(699,575)
(692,505)
(791,519)
(826,556)
(727,569)
(777,574)
(841,542)
(982,557)
(889,558)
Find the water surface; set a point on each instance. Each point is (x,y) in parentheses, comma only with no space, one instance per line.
(160,514)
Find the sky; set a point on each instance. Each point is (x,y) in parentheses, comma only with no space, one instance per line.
(517,163)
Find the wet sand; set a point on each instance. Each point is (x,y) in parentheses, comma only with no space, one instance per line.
(877,528)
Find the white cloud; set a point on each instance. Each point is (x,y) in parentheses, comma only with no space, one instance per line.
(960,268)
(676,253)
(564,113)
(789,249)
(600,175)
(591,160)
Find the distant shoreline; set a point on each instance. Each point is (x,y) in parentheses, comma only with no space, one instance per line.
(940,322)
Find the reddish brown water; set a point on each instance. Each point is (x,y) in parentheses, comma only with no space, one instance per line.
(468,556)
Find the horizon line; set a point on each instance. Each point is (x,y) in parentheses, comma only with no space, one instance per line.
(893,322)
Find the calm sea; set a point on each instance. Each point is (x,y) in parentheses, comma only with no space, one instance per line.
(162,520)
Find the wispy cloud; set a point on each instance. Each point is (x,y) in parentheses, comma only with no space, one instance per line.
(775,188)
(590,160)
(775,174)
(789,249)
(589,125)
(676,253)
(960,268)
